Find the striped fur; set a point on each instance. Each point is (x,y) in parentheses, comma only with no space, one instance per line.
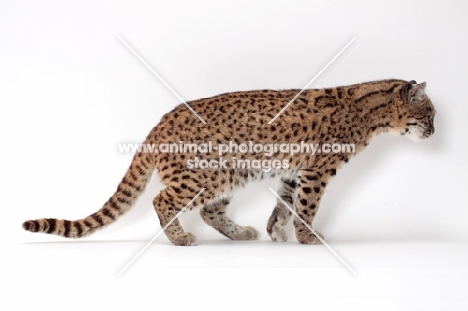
(131,186)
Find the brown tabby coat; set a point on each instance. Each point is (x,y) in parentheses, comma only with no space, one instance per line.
(350,114)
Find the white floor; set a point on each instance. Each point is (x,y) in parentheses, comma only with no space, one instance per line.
(230,275)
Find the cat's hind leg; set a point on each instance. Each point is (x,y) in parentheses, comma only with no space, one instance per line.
(168,204)
(214,214)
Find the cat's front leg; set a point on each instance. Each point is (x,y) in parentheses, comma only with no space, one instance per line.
(283,210)
(312,185)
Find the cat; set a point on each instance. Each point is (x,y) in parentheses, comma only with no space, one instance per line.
(342,116)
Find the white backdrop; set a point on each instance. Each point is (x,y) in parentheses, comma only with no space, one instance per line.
(71,92)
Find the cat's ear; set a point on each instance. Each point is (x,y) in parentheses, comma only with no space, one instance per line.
(416,92)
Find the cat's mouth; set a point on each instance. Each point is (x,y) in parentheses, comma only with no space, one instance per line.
(418,132)
(427,133)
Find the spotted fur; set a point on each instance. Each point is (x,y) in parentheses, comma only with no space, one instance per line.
(349,114)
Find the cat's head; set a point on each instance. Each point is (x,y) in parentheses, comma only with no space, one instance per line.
(415,112)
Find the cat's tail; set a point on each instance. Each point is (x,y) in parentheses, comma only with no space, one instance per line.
(131,186)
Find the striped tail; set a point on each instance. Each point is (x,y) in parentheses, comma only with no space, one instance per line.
(131,186)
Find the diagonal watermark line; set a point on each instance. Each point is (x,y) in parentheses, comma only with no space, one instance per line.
(160,232)
(161,79)
(313,79)
(314,232)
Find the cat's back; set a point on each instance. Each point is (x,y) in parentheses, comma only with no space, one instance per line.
(237,109)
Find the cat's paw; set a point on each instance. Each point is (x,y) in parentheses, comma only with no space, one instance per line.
(308,237)
(185,239)
(248,233)
(278,234)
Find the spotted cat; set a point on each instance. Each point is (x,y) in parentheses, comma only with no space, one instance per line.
(350,115)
